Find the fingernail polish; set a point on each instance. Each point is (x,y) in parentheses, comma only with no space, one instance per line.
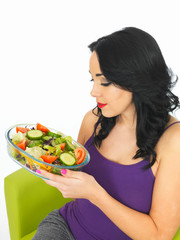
(63,171)
(38,171)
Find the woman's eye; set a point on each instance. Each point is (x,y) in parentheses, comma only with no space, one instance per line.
(102,84)
(106,84)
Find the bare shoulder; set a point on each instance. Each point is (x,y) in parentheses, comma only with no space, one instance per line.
(87,126)
(169,143)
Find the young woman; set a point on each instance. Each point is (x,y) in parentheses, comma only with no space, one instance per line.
(130,188)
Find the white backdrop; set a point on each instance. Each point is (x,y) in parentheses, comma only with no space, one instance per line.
(44,60)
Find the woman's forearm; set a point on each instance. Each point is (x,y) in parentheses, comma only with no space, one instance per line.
(136,225)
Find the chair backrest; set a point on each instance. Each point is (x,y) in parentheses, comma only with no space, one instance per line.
(28,200)
(177,236)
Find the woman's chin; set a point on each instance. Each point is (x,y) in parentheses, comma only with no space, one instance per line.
(107,114)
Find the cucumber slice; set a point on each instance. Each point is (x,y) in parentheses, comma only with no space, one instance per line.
(69,146)
(34,134)
(67,159)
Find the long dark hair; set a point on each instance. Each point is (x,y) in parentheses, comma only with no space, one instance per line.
(131,58)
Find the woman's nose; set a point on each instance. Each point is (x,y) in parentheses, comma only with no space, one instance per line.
(95,92)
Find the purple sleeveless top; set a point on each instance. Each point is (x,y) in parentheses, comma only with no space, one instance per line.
(129,184)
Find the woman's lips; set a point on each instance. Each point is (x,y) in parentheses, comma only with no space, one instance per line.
(101,105)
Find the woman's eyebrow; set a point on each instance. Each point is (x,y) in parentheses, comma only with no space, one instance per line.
(98,74)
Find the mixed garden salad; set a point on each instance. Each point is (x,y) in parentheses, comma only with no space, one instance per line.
(47,146)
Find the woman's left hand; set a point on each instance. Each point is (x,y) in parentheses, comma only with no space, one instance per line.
(74,184)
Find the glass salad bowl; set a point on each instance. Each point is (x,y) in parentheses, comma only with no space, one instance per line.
(34,147)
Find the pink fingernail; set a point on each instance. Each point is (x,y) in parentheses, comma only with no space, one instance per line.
(63,171)
(38,171)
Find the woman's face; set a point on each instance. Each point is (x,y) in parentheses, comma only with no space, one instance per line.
(111,99)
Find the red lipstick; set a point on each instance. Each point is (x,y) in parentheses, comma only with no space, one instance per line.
(101,105)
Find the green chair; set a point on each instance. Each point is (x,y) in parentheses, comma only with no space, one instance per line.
(177,236)
(28,200)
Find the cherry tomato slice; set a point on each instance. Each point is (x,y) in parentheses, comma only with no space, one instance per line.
(22,144)
(22,129)
(80,154)
(42,128)
(63,146)
(49,158)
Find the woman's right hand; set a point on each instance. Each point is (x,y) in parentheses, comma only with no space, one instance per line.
(74,184)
